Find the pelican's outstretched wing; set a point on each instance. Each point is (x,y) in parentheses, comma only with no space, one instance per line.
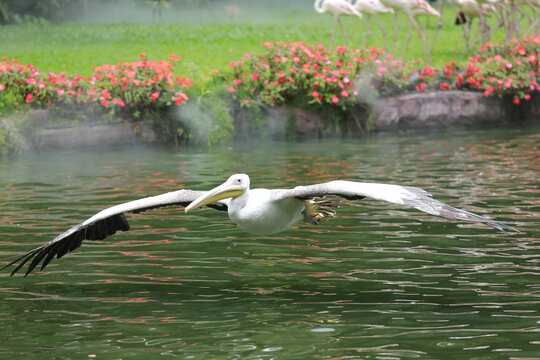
(397,194)
(103,224)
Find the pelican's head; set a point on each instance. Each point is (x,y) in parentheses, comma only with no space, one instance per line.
(236,185)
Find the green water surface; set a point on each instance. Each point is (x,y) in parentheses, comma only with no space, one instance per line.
(377,282)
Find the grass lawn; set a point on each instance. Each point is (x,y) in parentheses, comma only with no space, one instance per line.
(76,48)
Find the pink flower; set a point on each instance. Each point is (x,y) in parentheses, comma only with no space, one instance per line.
(121,103)
(246,55)
(29,98)
(174,57)
(345,93)
(246,101)
(237,82)
(1,87)
(232,90)
(527,97)
(143,55)
(254,77)
(335,99)
(105,103)
(154,96)
(315,94)
(508,65)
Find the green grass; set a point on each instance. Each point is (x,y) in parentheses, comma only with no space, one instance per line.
(76,48)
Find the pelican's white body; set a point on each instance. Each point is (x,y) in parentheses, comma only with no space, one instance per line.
(263,215)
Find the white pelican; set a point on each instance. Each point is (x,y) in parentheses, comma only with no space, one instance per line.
(256,211)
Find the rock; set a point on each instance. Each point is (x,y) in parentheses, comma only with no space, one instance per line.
(443,109)
(87,135)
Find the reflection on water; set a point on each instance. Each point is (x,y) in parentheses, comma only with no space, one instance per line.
(377,281)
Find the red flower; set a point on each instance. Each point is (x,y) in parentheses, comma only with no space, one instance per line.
(174,57)
(420,87)
(445,86)
(516,101)
(105,103)
(143,55)
(29,98)
(154,96)
(121,103)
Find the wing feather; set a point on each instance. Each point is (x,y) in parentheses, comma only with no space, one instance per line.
(105,223)
(403,195)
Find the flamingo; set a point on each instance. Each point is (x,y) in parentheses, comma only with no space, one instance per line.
(412,8)
(372,8)
(336,7)
(516,6)
(471,9)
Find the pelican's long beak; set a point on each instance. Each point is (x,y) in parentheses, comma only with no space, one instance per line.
(223,191)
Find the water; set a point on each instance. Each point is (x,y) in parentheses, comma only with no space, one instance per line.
(377,282)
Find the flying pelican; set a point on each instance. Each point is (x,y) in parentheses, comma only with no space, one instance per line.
(256,211)
(336,7)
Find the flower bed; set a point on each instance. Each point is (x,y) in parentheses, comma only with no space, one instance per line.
(334,84)
(127,89)
(295,72)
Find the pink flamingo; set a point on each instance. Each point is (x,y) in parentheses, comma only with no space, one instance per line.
(411,8)
(336,7)
(372,8)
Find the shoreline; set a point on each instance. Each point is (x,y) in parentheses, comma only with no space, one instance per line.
(435,110)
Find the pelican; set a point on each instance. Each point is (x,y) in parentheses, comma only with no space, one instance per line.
(256,211)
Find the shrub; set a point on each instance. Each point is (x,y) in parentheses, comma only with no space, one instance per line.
(298,75)
(132,91)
